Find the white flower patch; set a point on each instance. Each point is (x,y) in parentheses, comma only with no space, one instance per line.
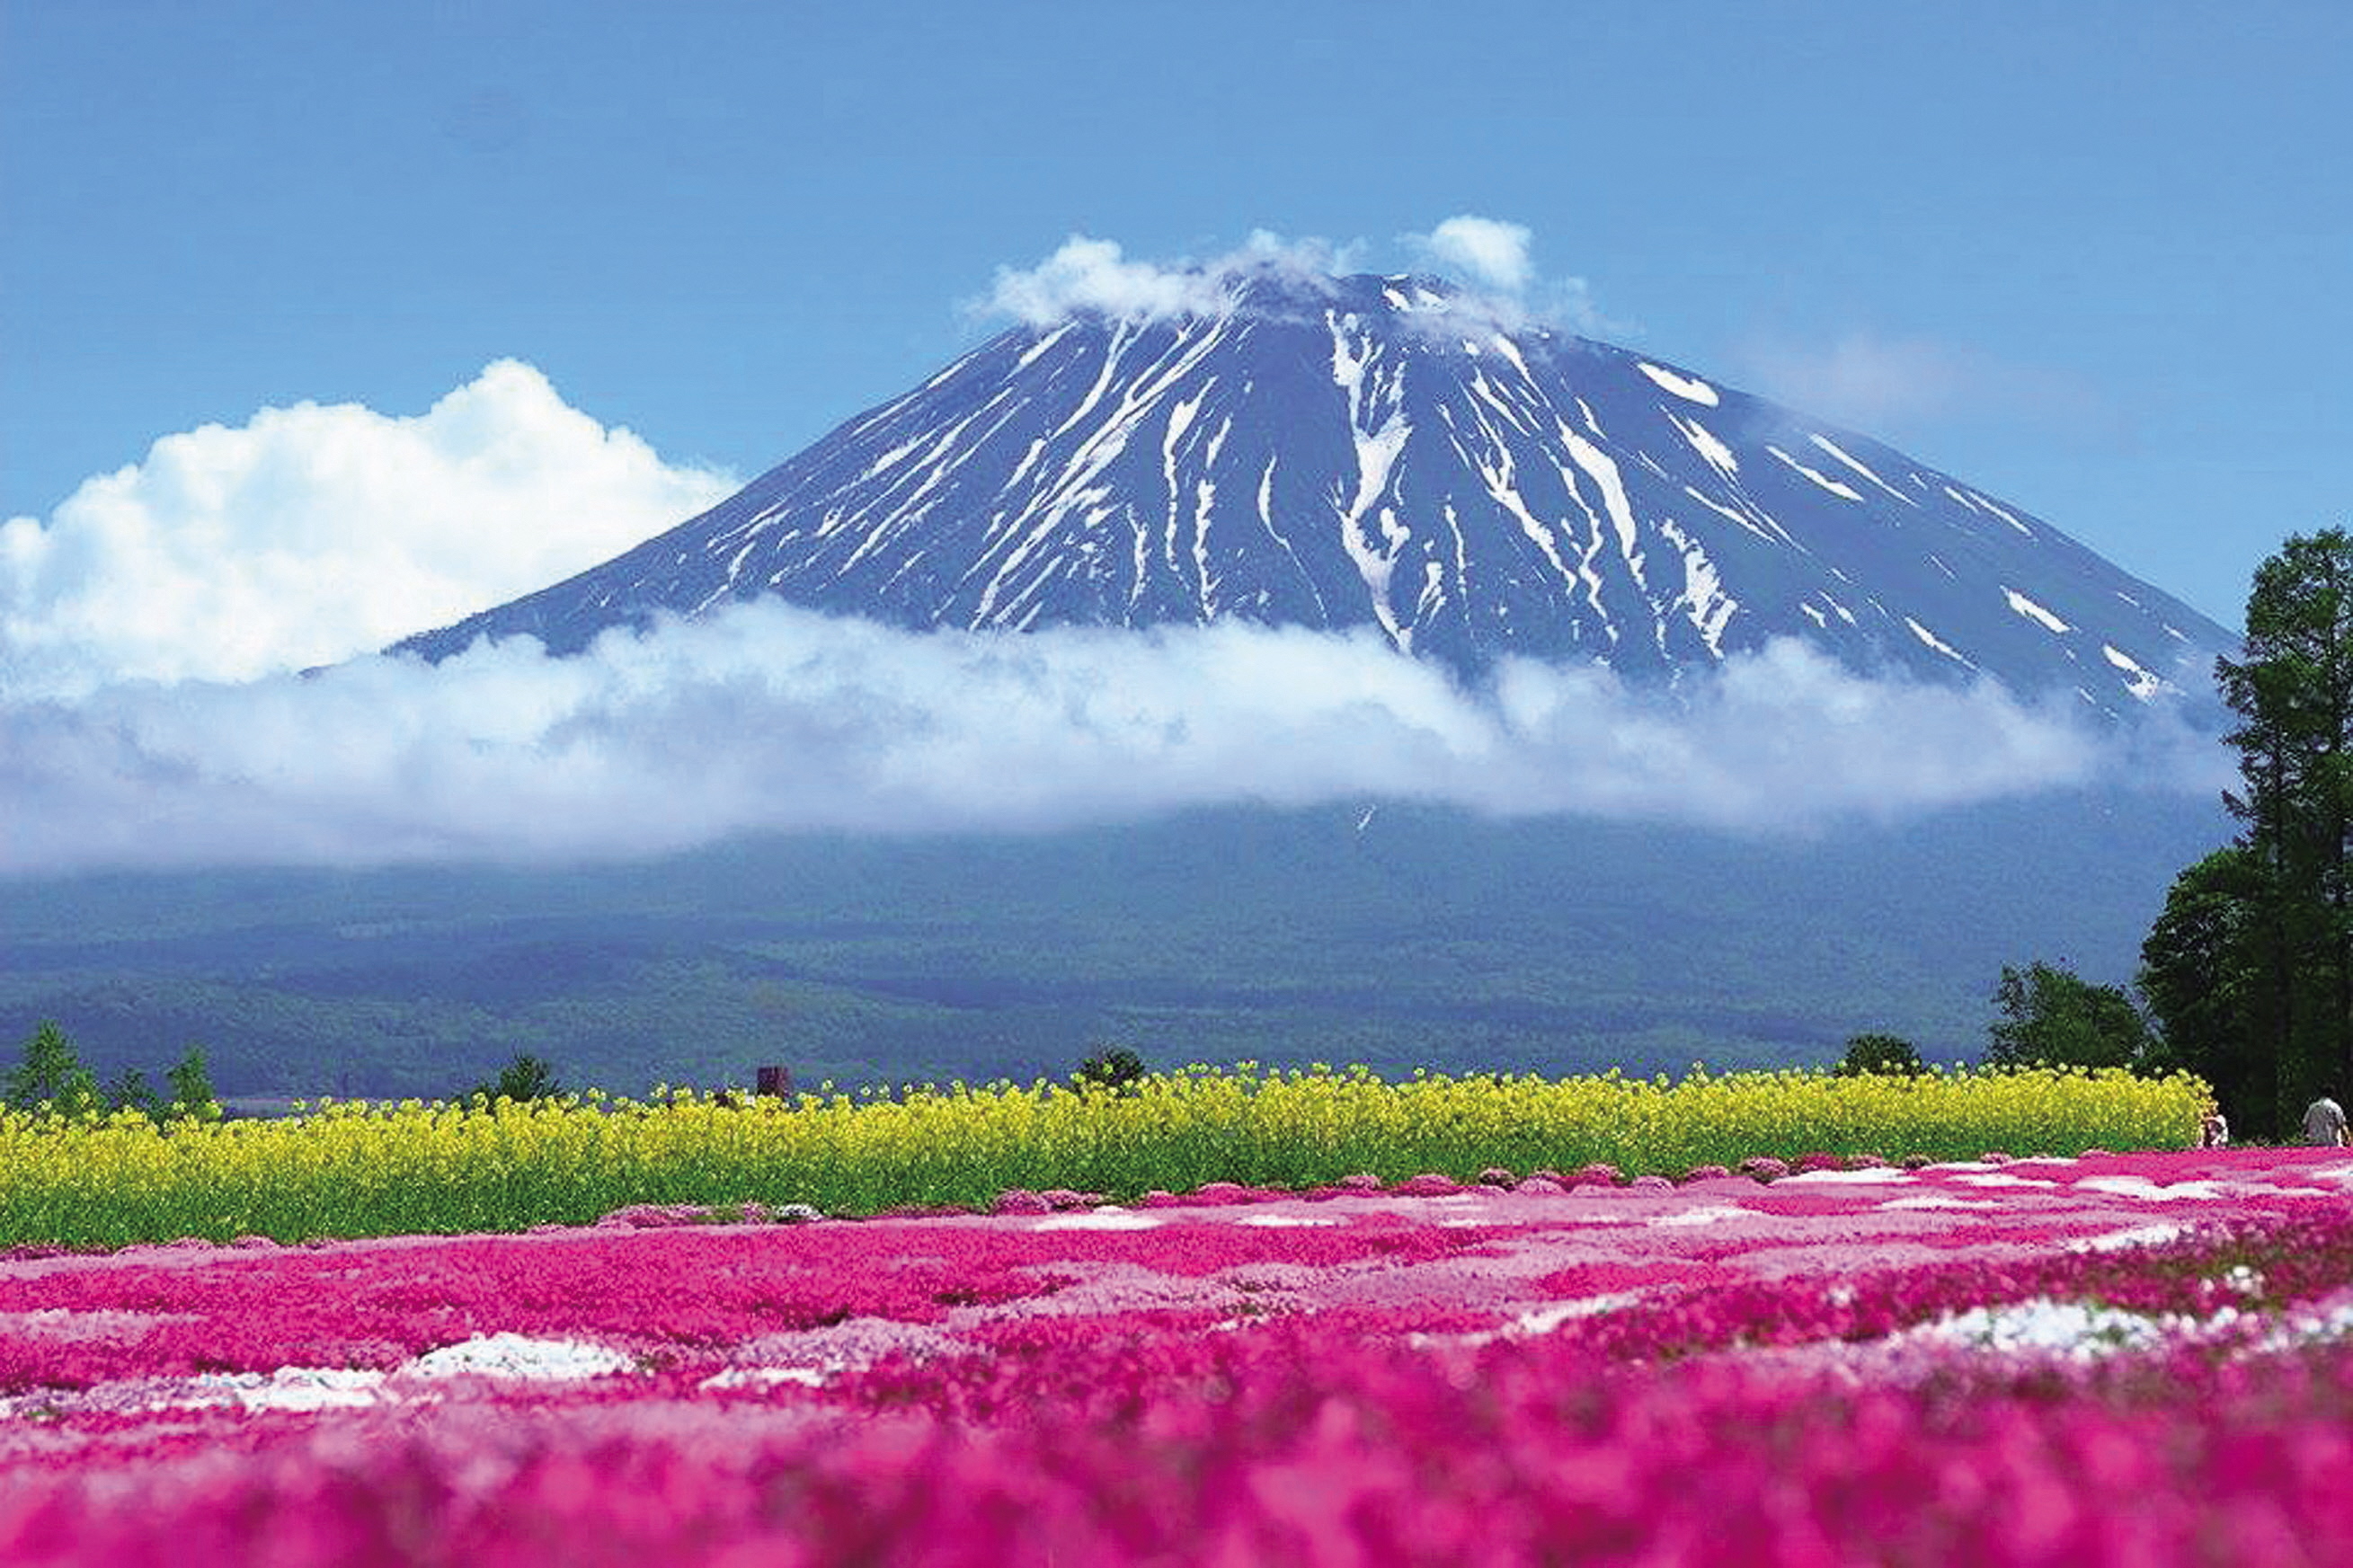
(1870,1175)
(1100,1219)
(1544,1319)
(2066,1327)
(2118,1240)
(2309,1325)
(2142,1187)
(517,1355)
(1711,1215)
(287,1388)
(769,1376)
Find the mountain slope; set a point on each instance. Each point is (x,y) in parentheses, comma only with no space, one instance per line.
(1421,938)
(1385,453)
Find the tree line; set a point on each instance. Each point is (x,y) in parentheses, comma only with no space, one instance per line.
(2246,977)
(2249,970)
(2045,1015)
(50,1079)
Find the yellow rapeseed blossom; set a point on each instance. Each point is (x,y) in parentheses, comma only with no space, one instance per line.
(357,1169)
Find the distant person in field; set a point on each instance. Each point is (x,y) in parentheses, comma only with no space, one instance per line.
(2323,1123)
(2214,1132)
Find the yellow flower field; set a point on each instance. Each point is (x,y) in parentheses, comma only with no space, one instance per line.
(368,1169)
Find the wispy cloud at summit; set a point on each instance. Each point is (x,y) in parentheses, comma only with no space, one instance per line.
(1488,250)
(1492,260)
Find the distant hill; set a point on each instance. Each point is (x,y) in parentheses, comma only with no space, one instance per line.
(1424,938)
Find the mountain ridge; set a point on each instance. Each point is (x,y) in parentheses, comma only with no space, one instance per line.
(1391,453)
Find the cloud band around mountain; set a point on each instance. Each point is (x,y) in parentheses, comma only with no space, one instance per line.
(767,718)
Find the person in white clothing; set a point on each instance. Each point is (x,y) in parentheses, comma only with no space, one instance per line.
(2323,1123)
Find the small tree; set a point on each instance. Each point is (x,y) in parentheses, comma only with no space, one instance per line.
(191,1089)
(1117,1069)
(130,1091)
(524,1079)
(2052,1017)
(52,1075)
(1880,1054)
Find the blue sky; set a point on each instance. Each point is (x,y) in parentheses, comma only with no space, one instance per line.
(2094,256)
(323,323)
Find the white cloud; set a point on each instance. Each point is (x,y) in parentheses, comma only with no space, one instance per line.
(311,533)
(1085,274)
(1497,259)
(769,717)
(1492,258)
(1492,251)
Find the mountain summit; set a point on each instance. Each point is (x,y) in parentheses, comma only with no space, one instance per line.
(1390,453)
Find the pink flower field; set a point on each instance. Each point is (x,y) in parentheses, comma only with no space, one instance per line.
(2142,1358)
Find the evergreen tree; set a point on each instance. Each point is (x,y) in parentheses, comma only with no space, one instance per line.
(524,1079)
(2206,973)
(130,1091)
(1116,1069)
(2293,697)
(52,1075)
(191,1089)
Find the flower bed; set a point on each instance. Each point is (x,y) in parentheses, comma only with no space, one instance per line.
(380,1171)
(2137,1358)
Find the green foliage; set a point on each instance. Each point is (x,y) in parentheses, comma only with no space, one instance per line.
(2202,974)
(1877,1053)
(51,1075)
(2050,1017)
(191,1089)
(51,1079)
(523,1079)
(130,1092)
(1116,1069)
(2249,970)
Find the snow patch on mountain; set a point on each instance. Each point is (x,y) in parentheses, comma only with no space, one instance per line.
(1261,442)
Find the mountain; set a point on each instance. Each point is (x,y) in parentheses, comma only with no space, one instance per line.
(1392,453)
(1376,452)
